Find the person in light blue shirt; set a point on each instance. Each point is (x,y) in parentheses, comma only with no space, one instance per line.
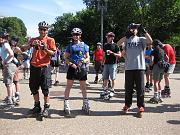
(9,67)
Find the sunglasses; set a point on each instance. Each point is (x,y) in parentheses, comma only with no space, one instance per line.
(110,35)
(41,29)
(75,34)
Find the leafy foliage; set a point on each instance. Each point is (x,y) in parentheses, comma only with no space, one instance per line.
(14,26)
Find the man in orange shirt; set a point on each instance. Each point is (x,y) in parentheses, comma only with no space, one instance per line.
(40,74)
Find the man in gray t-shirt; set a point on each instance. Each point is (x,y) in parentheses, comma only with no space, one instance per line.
(134,54)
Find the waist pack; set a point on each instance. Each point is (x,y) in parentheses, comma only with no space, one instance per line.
(164,65)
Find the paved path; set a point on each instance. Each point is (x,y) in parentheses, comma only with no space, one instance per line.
(106,117)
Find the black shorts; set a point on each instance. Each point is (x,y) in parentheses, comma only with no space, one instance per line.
(39,77)
(98,66)
(75,74)
(54,63)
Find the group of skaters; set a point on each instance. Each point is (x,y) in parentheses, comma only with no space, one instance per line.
(140,53)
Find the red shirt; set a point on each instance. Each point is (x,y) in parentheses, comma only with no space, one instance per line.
(98,54)
(40,57)
(170,53)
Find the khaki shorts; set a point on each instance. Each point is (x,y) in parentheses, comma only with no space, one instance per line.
(8,73)
(157,73)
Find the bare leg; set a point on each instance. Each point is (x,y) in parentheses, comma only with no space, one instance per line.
(68,87)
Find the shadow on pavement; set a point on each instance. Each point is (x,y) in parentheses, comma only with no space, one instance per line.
(161,108)
(22,113)
(175,122)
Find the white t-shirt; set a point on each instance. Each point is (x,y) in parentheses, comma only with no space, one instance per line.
(4,52)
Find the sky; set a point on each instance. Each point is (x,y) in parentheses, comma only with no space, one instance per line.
(31,12)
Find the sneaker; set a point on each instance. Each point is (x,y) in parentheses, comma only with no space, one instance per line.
(125,109)
(141,109)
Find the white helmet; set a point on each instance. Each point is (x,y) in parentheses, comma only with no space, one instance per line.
(43,25)
(76,30)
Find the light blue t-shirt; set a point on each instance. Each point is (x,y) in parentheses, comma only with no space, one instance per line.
(77,51)
(4,52)
(135,51)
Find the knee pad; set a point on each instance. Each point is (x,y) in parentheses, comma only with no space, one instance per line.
(34,92)
(45,92)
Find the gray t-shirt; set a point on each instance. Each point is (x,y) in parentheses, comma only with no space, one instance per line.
(135,53)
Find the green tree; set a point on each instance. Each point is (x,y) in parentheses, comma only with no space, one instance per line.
(87,20)
(14,26)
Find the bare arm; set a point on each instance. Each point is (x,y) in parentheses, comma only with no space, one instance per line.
(121,41)
(148,38)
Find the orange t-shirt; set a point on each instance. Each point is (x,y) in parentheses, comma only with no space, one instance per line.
(40,57)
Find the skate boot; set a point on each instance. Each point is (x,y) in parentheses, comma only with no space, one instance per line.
(105,94)
(125,109)
(96,80)
(160,100)
(9,101)
(17,96)
(35,111)
(85,107)
(150,86)
(67,108)
(147,87)
(111,93)
(166,92)
(15,101)
(141,111)
(154,100)
(56,83)
(87,83)
(45,112)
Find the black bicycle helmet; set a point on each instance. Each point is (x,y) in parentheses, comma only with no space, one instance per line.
(43,25)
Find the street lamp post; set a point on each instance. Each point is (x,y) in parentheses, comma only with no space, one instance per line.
(102,6)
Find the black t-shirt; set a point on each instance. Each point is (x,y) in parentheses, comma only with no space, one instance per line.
(158,55)
(110,59)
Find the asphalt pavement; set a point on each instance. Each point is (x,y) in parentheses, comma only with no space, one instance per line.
(106,116)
